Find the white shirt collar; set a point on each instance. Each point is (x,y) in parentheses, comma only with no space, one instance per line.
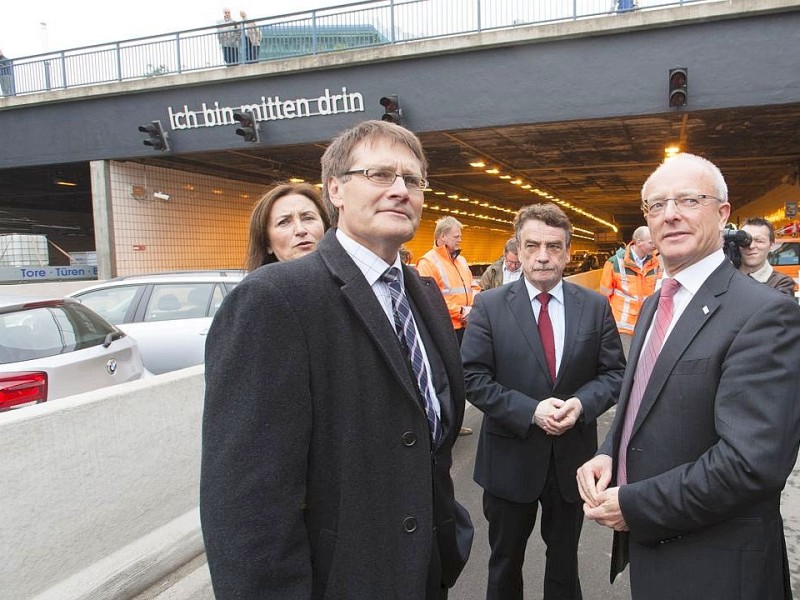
(557,292)
(370,264)
(762,273)
(694,276)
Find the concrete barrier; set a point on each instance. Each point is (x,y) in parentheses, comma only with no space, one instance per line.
(99,491)
(589,279)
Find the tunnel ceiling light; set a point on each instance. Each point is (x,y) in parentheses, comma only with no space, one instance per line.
(296,180)
(671,151)
(478,164)
(492,171)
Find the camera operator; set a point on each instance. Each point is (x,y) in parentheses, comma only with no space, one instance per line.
(754,257)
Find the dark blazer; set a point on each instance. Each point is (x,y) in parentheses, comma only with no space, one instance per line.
(507,376)
(714,440)
(318,477)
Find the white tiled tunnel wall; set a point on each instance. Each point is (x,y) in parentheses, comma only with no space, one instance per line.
(203,225)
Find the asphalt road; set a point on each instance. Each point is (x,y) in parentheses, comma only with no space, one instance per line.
(594,550)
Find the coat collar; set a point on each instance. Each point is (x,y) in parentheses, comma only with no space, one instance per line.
(520,304)
(365,305)
(697,313)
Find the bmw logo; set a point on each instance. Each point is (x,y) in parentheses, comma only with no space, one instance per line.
(111,366)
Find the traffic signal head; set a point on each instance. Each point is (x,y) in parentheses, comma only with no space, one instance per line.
(157,138)
(391,109)
(248,126)
(678,86)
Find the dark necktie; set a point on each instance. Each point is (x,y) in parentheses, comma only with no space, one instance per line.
(644,369)
(406,330)
(546,334)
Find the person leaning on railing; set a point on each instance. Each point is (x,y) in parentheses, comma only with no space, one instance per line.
(228,35)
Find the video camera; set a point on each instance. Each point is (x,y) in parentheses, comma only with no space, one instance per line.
(732,240)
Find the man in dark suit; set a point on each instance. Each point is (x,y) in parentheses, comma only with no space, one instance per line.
(542,359)
(328,428)
(708,423)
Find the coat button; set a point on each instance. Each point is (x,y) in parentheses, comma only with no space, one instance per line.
(409,524)
(409,438)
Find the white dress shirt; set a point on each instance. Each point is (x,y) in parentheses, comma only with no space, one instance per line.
(556,311)
(373,267)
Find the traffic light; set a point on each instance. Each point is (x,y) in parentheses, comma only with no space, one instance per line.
(391,109)
(248,126)
(678,86)
(157,138)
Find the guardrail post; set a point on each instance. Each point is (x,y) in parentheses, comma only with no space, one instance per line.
(314,32)
(47,83)
(391,20)
(478,12)
(119,61)
(63,60)
(574,10)
(178,52)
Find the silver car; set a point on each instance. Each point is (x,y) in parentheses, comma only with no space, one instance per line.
(167,313)
(56,347)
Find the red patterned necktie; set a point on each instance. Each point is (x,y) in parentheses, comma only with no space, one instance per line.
(643,370)
(546,334)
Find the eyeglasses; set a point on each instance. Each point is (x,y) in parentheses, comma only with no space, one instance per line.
(513,264)
(657,206)
(385,177)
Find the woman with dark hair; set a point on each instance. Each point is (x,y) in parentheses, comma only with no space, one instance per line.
(286,223)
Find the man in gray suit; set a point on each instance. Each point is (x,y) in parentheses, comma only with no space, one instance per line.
(334,394)
(543,360)
(708,422)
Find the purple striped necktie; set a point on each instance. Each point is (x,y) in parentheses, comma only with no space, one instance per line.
(644,369)
(406,330)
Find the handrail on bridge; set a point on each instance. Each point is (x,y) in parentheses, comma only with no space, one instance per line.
(342,27)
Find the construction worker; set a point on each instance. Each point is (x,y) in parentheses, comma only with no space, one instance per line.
(629,277)
(450,270)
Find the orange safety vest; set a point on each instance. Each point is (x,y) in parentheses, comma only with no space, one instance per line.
(453,278)
(627,286)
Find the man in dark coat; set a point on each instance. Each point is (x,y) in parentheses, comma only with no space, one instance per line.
(540,402)
(326,464)
(708,423)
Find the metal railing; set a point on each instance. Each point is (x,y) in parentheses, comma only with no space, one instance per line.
(343,27)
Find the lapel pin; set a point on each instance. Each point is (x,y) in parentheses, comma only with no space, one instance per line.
(705,310)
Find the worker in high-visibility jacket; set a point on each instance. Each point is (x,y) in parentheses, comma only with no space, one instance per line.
(445,264)
(629,277)
(450,270)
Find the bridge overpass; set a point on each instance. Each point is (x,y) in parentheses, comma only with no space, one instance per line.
(576,110)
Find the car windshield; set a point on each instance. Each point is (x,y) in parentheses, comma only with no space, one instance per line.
(785,254)
(49,330)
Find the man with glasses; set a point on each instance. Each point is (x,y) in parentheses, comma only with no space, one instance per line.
(754,257)
(707,427)
(504,270)
(628,278)
(334,394)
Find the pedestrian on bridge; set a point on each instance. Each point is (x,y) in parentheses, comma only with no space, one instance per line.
(229,37)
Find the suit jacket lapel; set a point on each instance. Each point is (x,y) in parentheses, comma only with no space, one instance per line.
(573,312)
(421,291)
(367,309)
(520,304)
(696,314)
